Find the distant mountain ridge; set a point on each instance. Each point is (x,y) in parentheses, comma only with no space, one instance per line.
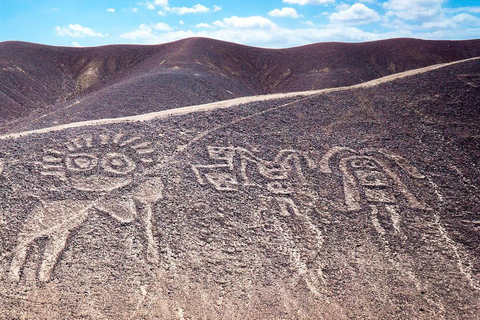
(60,84)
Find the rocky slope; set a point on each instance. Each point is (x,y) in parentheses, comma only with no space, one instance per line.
(359,203)
(41,86)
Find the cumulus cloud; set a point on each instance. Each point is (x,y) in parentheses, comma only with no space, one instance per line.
(162,27)
(305,2)
(355,14)
(147,32)
(457,21)
(111,10)
(462,9)
(284,12)
(134,10)
(154,4)
(416,10)
(76,44)
(266,37)
(162,3)
(261,31)
(466,18)
(308,23)
(164,8)
(198,8)
(76,30)
(246,22)
(203,25)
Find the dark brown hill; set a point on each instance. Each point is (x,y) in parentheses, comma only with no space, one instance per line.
(60,84)
(361,203)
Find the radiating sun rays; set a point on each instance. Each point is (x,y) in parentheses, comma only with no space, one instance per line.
(86,153)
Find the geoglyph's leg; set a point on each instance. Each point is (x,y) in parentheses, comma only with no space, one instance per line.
(148,193)
(375,221)
(25,239)
(394,216)
(53,249)
(20,254)
(152,250)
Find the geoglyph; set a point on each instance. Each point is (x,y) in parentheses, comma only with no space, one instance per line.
(369,180)
(116,170)
(282,178)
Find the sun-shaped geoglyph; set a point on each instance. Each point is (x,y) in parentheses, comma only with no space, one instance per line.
(102,163)
(99,164)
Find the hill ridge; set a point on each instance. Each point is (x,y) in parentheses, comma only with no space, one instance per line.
(230,103)
(124,80)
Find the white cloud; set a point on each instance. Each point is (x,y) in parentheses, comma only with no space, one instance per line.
(203,25)
(181,22)
(162,3)
(76,30)
(466,18)
(308,23)
(164,8)
(152,5)
(143,32)
(266,37)
(146,32)
(111,10)
(198,8)
(284,12)
(355,14)
(76,44)
(305,2)
(462,9)
(134,10)
(459,21)
(162,27)
(416,10)
(246,22)
(261,31)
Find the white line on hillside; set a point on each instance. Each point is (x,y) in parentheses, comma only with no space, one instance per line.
(228,103)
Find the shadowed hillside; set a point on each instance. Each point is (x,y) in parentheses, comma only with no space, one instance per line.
(359,203)
(51,85)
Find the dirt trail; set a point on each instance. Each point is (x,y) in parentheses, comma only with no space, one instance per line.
(229,103)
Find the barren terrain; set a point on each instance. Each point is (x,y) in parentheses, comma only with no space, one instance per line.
(358,202)
(42,86)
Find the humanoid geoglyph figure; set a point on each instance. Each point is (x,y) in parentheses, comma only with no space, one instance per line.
(369,180)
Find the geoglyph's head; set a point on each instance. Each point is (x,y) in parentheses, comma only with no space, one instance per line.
(102,163)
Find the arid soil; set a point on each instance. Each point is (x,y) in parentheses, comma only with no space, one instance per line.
(43,86)
(357,203)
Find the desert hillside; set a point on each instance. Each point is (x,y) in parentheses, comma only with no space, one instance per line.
(41,86)
(351,203)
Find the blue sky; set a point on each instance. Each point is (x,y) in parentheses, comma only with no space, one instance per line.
(263,23)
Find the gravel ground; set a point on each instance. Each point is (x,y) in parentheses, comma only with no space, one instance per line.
(355,204)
